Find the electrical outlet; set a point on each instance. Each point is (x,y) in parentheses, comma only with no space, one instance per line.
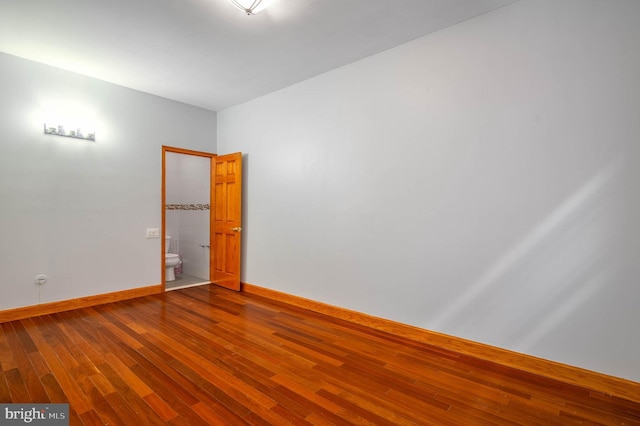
(153,233)
(41,279)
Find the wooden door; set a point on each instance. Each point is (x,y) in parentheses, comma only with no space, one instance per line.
(226,224)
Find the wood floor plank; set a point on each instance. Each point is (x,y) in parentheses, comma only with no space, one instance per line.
(54,392)
(102,384)
(128,414)
(318,406)
(7,359)
(102,407)
(83,334)
(207,355)
(217,376)
(176,378)
(5,393)
(128,376)
(90,418)
(101,337)
(40,366)
(17,388)
(376,404)
(160,406)
(130,397)
(216,417)
(62,376)
(179,386)
(24,377)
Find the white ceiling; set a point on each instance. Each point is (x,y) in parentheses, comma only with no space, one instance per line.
(208,53)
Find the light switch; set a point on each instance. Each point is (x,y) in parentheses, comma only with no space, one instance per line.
(153,233)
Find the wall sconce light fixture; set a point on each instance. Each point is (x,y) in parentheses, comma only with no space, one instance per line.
(78,133)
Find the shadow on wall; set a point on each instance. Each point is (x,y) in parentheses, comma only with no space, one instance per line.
(557,267)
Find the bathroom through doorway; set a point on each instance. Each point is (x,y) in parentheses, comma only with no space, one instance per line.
(186,217)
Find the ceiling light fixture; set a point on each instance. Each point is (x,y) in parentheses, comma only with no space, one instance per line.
(250,7)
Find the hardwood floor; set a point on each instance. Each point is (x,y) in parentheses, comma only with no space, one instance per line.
(206,355)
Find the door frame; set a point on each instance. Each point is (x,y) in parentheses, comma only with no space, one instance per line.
(176,150)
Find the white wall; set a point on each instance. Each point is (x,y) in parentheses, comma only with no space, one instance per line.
(77,210)
(481,181)
(173,195)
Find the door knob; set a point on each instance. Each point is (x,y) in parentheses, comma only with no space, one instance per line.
(236,229)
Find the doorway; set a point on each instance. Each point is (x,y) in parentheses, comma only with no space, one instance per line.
(186,217)
(201,212)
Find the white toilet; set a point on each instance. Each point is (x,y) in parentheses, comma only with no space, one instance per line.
(171,260)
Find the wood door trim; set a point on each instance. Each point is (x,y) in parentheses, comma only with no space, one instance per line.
(599,382)
(175,150)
